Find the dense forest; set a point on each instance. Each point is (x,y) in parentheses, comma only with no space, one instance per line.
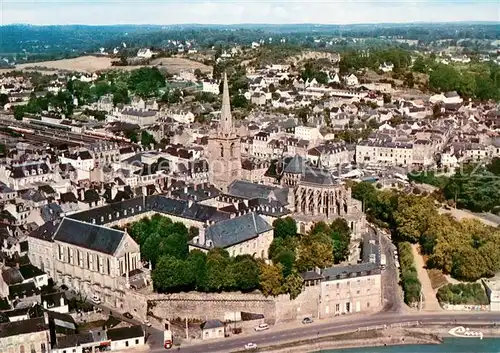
(25,42)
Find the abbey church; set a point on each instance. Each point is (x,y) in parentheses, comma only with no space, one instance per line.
(307,193)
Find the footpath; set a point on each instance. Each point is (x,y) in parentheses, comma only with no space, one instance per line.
(430,301)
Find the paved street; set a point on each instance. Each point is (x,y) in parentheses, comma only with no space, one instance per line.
(275,336)
(391,291)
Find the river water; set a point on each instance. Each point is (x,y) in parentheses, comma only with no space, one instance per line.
(450,345)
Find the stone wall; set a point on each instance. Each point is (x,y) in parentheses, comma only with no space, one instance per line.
(89,317)
(205,306)
(459,307)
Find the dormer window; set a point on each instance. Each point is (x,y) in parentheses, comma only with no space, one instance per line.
(125,212)
(93,220)
(109,216)
(102,218)
(117,214)
(33,172)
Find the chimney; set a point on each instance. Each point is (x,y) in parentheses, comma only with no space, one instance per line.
(190,203)
(61,301)
(246,203)
(201,235)
(45,304)
(82,194)
(114,192)
(46,318)
(317,270)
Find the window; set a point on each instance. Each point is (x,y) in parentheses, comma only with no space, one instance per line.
(109,266)
(126,343)
(32,348)
(136,341)
(21,349)
(337,307)
(42,347)
(338,285)
(221,150)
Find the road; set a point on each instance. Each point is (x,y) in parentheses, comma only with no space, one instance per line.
(275,336)
(391,291)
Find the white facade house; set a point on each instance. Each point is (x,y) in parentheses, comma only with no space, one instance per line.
(126,337)
(81,160)
(351,80)
(308,133)
(210,87)
(145,53)
(181,116)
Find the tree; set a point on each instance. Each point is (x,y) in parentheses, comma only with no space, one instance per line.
(271,279)
(293,285)
(218,277)
(147,139)
(170,275)
(286,258)
(193,232)
(314,250)
(146,81)
(4,99)
(409,80)
(387,98)
(19,112)
(198,74)
(246,273)
(419,65)
(413,217)
(285,227)
(196,265)
(239,101)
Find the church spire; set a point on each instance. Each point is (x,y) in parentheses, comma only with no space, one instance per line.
(226,120)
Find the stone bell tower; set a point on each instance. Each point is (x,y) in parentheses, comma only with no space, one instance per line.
(224,147)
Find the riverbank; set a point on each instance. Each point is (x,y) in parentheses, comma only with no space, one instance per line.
(429,334)
(370,338)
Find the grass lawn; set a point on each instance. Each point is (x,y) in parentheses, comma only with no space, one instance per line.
(437,278)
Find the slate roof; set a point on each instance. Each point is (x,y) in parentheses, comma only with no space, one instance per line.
(50,212)
(111,212)
(46,231)
(76,340)
(23,327)
(29,271)
(123,333)
(249,190)
(33,195)
(12,276)
(90,236)
(295,165)
(318,176)
(68,197)
(236,230)
(209,324)
(23,290)
(339,272)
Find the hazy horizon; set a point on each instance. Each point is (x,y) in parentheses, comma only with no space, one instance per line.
(241,12)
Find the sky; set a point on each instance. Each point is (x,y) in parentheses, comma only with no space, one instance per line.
(166,12)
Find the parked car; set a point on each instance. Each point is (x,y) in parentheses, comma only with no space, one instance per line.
(262,327)
(128,315)
(250,345)
(307,320)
